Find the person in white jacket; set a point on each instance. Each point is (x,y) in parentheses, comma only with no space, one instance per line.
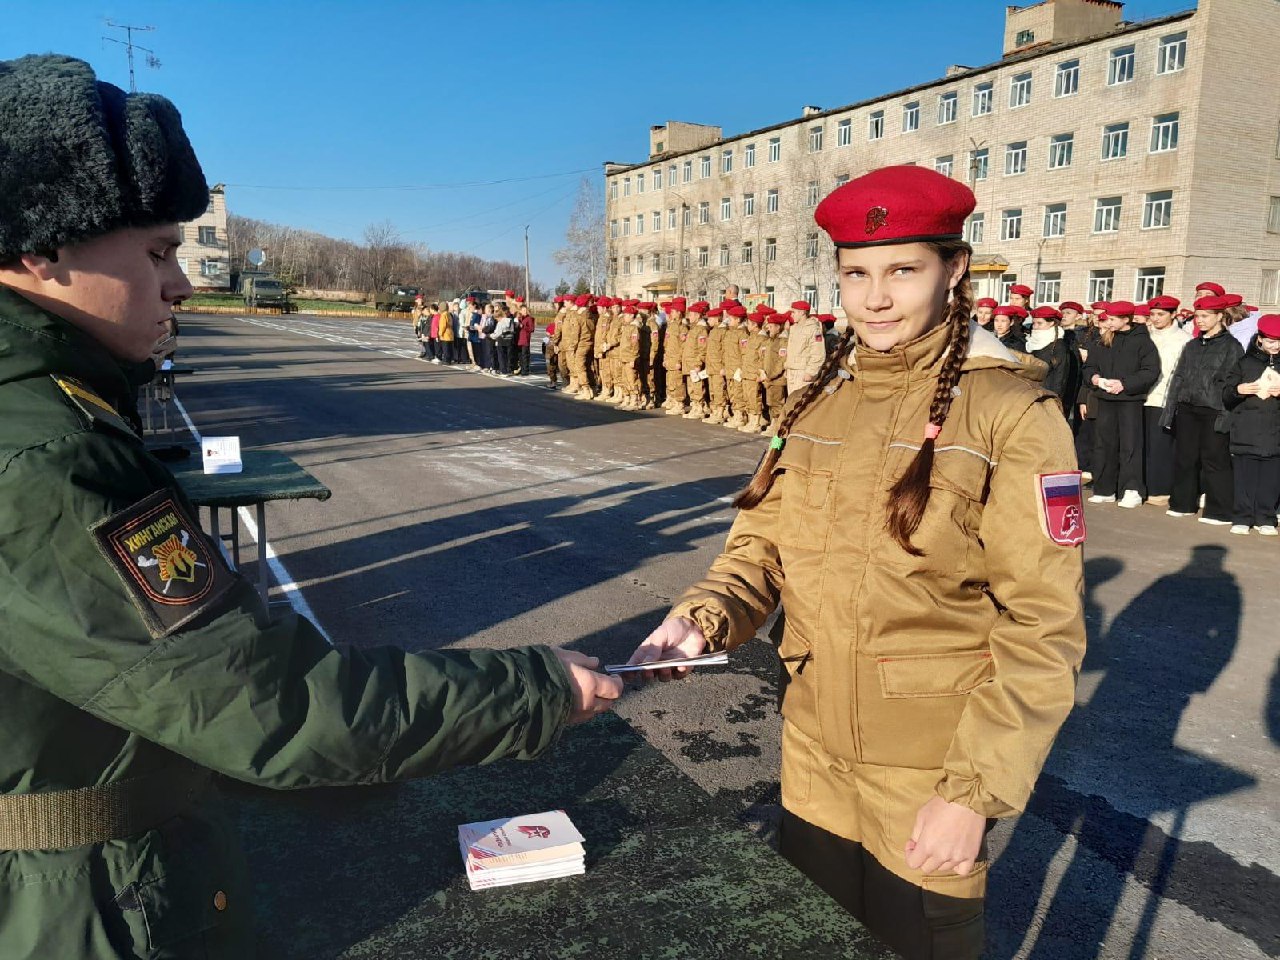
(1169,339)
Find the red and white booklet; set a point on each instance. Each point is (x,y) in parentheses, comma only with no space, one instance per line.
(537,846)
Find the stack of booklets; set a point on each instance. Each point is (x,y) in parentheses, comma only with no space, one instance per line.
(539,846)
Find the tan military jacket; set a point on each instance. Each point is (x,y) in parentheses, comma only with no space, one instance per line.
(806,352)
(773,357)
(673,344)
(731,350)
(715,350)
(568,330)
(604,327)
(694,354)
(629,341)
(960,664)
(750,365)
(586,333)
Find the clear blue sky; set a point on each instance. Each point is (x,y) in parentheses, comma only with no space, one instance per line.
(327,115)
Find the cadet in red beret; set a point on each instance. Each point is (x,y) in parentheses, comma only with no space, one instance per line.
(1169,304)
(881,786)
(1006,324)
(1140,312)
(1158,444)
(1072,313)
(1020,296)
(1210,288)
(985,310)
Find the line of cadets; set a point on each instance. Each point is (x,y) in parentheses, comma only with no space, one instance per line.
(721,365)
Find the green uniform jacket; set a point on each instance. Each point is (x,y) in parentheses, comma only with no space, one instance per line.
(97,687)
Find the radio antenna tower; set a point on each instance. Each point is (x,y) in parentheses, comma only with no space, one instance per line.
(152,60)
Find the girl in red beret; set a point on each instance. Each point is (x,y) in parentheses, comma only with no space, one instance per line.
(1252,395)
(918,515)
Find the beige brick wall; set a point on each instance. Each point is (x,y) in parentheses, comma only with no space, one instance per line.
(207,263)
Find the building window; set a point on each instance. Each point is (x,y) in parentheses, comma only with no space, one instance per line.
(771,201)
(613,228)
(639,263)
(1066,79)
(810,293)
(1049,288)
(768,296)
(704,167)
(775,149)
(1055,220)
(671,260)
(1273,216)
(613,189)
(207,236)
(655,262)
(1164,133)
(841,180)
(626,265)
(1006,283)
(1173,53)
(1106,216)
(875,125)
(1020,91)
(640,178)
(685,259)
(749,155)
(811,194)
(977,228)
(748,204)
(639,224)
(1101,284)
(1015,158)
(911,117)
(844,133)
(1150,283)
(748,252)
(724,254)
(671,175)
(1011,225)
(947,107)
(811,247)
(210,268)
(835,296)
(704,256)
(657,220)
(626,226)
(671,218)
(657,178)
(944,165)
(688,215)
(982,99)
(686,172)
(726,161)
(726,209)
(770,251)
(1157,210)
(1120,66)
(1271,286)
(1024,37)
(979,163)
(626,186)
(1115,141)
(815,139)
(1061,146)
(704,211)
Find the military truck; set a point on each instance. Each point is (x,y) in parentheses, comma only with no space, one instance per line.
(265,292)
(396,299)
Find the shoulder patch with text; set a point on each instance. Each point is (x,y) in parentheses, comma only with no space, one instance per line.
(170,569)
(1061,501)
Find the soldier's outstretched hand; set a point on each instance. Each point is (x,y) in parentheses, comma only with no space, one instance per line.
(674,639)
(593,693)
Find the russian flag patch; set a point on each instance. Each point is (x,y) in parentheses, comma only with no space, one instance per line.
(1061,497)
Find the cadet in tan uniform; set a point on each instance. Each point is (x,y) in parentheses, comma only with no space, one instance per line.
(751,402)
(732,347)
(602,342)
(630,347)
(927,552)
(651,363)
(693,360)
(718,398)
(773,370)
(583,346)
(567,327)
(555,331)
(672,350)
(806,349)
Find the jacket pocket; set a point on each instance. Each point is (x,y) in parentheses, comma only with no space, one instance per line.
(909,706)
(958,487)
(806,475)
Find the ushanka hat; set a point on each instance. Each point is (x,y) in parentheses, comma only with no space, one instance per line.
(80,158)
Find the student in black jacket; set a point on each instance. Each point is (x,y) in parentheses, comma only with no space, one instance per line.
(1123,366)
(1006,324)
(1049,342)
(1251,394)
(1194,409)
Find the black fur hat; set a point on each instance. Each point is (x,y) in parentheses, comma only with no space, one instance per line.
(80,158)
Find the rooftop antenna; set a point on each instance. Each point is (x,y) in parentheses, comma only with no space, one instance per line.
(152,60)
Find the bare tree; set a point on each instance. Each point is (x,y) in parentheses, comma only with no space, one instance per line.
(584,252)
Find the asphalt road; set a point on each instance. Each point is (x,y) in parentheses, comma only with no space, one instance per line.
(469,510)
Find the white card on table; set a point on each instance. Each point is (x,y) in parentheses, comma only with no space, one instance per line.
(221,454)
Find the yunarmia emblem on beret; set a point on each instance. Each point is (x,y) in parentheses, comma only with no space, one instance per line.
(877,217)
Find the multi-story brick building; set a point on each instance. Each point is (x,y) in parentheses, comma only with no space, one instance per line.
(204,255)
(1109,159)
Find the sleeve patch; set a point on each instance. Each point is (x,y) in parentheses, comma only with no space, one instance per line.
(91,406)
(1061,501)
(170,569)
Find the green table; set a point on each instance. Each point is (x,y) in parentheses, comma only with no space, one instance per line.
(375,872)
(267,475)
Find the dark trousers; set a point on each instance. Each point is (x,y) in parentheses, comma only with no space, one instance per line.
(1084,444)
(1201,464)
(1159,453)
(1117,450)
(444,350)
(484,354)
(504,357)
(423,351)
(1257,482)
(919,924)
(523,360)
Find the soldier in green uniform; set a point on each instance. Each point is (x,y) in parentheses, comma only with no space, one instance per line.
(693,361)
(719,399)
(133,660)
(672,350)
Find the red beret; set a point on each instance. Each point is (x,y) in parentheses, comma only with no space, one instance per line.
(904,204)
(801,305)
(1046,313)
(1008,310)
(666,304)
(1251,308)
(1141,310)
(1164,303)
(1098,305)
(551,328)
(1216,289)
(508,293)
(1120,308)
(827,317)
(1212,303)
(1269,325)
(1233,299)
(1071,305)
(987,302)
(726,304)
(583,301)
(519,299)
(715,312)
(629,310)
(1021,289)
(647,305)
(699,307)
(737,310)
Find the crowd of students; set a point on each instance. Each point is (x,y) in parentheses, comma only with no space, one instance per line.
(494,338)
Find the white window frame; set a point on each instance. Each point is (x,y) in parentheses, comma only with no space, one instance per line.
(775,149)
(875,125)
(1171,55)
(945,165)
(724,255)
(1055,221)
(1106,216)
(639,224)
(1102,285)
(1157,210)
(657,178)
(626,186)
(640,182)
(770,251)
(1011,224)
(626,266)
(980,163)
(1164,132)
(1066,79)
(672,221)
(1020,91)
(948,107)
(671,260)
(207,236)
(1121,62)
(704,166)
(749,155)
(655,263)
(1270,286)
(1273,216)
(811,246)
(911,116)
(726,209)
(1062,148)
(748,204)
(704,212)
(657,221)
(704,256)
(771,201)
(983,99)
(1149,283)
(811,197)
(841,180)
(671,176)
(1015,158)
(626,226)
(1049,288)
(844,133)
(210,268)
(977,229)
(613,189)
(1113,135)
(810,293)
(686,171)
(815,139)
(726,161)
(748,252)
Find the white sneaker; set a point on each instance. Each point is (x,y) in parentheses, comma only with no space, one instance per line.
(1215,523)
(1130,500)
(1241,529)
(1086,476)
(1269,531)
(1176,513)
(1099,498)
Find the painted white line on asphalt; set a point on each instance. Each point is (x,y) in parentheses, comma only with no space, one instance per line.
(292,592)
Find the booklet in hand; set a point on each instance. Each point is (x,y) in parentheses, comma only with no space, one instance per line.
(706,660)
(538,846)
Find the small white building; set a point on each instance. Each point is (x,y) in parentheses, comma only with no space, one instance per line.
(204,254)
